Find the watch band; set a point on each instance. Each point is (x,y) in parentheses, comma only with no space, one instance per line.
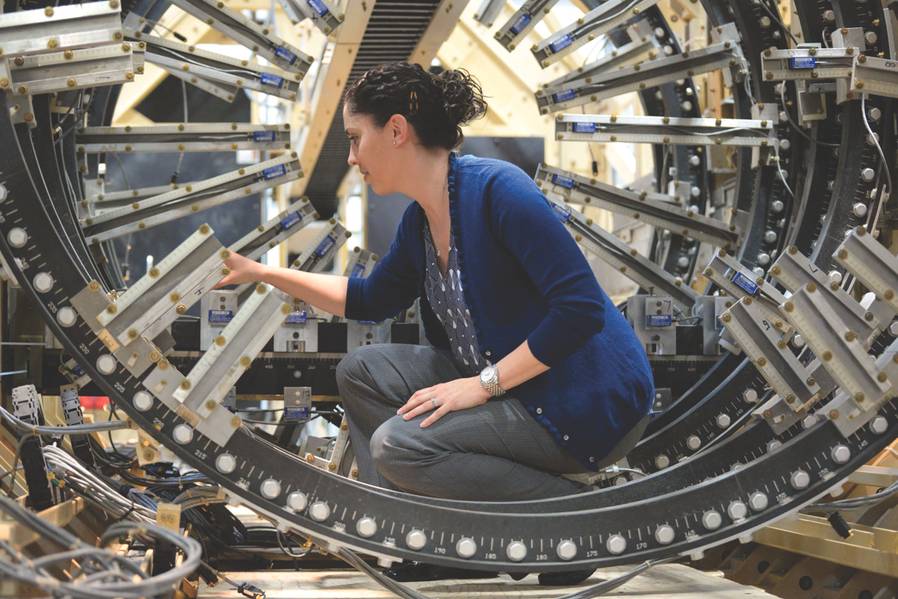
(492,385)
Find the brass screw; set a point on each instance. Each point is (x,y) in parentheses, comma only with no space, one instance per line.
(245,361)
(68,54)
(154,272)
(132,333)
(220,341)
(204,228)
(827,356)
(53,43)
(48,11)
(225,254)
(181,309)
(881,377)
(111,309)
(175,297)
(210,404)
(185,384)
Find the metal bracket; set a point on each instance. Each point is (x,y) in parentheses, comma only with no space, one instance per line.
(184,137)
(625,259)
(522,22)
(654,209)
(840,350)
(193,197)
(247,32)
(666,130)
(596,22)
(320,12)
(644,75)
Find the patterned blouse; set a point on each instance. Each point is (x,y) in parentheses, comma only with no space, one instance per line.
(448,303)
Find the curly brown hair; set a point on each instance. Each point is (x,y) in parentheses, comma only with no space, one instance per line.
(436,105)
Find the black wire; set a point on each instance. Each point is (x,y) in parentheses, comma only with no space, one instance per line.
(779,22)
(15,463)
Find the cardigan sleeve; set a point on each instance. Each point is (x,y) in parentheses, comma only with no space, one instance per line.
(392,285)
(527,226)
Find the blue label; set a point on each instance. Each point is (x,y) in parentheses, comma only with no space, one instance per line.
(744,283)
(658,320)
(285,54)
(358,271)
(274,171)
(300,414)
(324,246)
(585,127)
(563,181)
(564,96)
(263,135)
(77,370)
(803,62)
(300,317)
(220,316)
(521,24)
(562,213)
(272,80)
(561,44)
(318,7)
(289,220)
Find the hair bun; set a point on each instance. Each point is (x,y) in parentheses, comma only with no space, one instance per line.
(462,96)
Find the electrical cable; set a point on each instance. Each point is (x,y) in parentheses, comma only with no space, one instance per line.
(54,431)
(875,139)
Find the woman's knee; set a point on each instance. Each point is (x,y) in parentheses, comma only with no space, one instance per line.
(355,368)
(397,451)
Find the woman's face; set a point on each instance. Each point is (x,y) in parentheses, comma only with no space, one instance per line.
(373,150)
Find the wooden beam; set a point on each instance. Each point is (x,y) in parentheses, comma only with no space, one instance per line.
(868,548)
(20,536)
(314,118)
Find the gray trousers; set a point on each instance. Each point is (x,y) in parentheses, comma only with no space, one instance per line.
(492,452)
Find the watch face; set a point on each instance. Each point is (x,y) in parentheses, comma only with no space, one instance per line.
(487,374)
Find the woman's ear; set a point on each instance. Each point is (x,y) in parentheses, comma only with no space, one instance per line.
(398,127)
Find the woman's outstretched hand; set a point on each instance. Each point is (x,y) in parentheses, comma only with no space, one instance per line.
(242,270)
(453,396)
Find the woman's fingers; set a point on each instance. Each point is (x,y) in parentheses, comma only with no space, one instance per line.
(439,413)
(421,407)
(416,398)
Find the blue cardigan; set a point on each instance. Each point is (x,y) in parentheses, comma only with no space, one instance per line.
(524,278)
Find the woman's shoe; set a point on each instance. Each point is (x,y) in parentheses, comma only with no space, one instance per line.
(417,572)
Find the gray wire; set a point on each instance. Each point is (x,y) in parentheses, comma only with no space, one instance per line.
(76,429)
(885,163)
(401,590)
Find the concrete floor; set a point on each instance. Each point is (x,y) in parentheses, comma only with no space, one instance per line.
(665,581)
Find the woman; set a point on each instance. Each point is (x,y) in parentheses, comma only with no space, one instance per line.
(532,372)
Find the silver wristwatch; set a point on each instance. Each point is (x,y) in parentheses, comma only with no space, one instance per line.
(489,380)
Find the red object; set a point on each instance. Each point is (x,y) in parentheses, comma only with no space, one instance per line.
(97,402)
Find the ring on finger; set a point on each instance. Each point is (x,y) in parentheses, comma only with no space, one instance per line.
(433,402)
